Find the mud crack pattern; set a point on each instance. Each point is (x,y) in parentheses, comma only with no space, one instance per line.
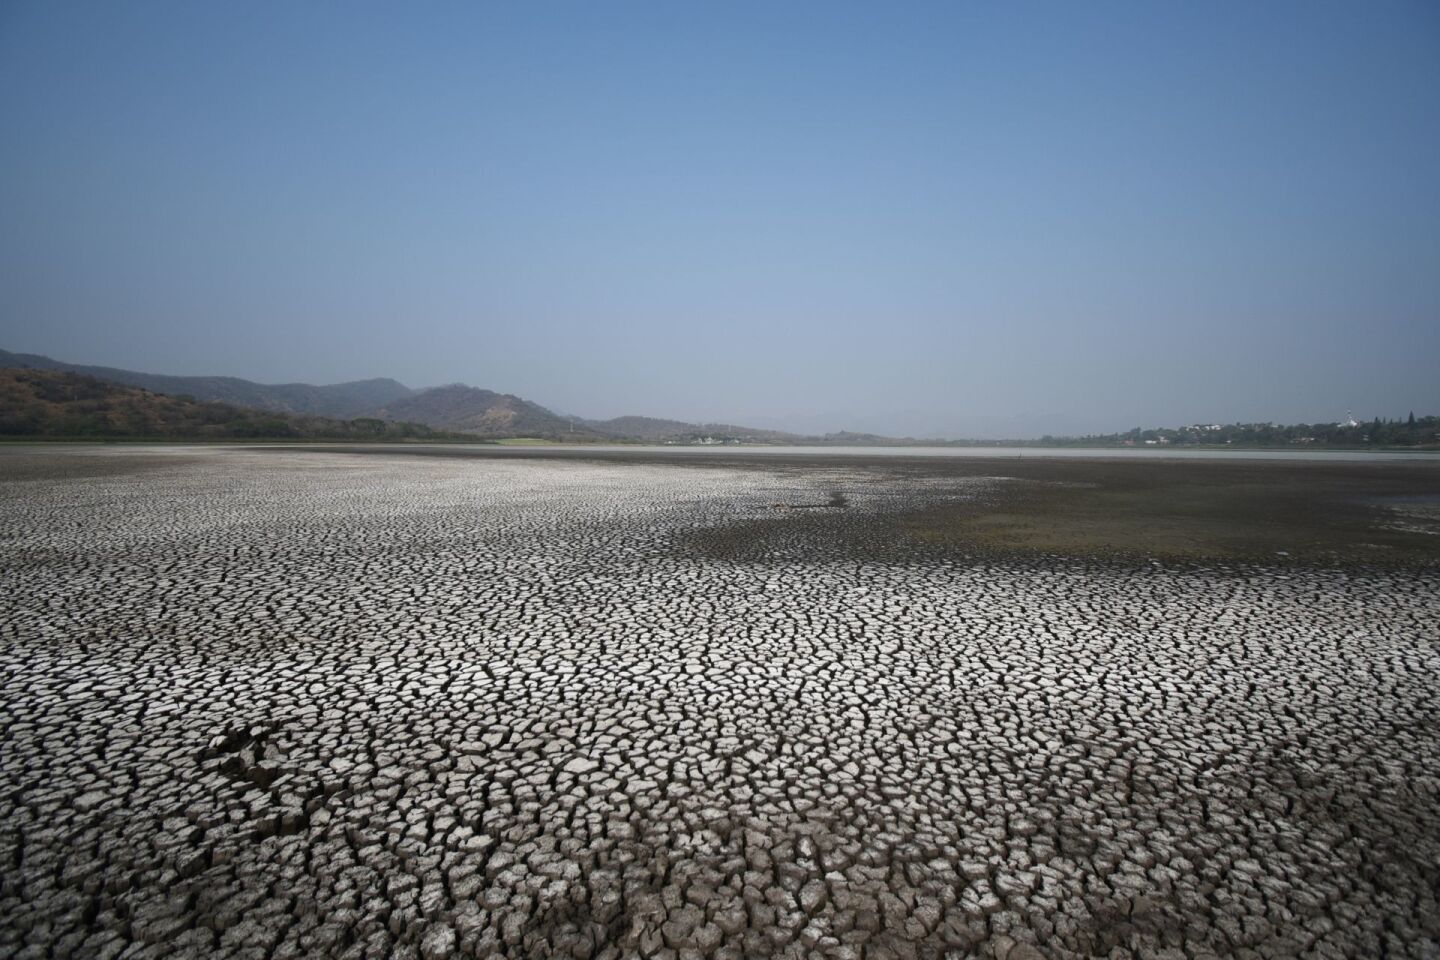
(281,705)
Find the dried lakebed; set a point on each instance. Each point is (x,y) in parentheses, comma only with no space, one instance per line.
(273,704)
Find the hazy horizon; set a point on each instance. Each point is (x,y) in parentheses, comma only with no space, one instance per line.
(935,220)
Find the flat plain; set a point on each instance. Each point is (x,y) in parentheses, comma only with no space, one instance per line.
(387,702)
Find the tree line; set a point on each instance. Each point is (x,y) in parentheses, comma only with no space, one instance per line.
(1408,431)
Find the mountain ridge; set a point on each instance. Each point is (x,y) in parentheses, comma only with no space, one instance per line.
(62,404)
(350,399)
(465,409)
(455,407)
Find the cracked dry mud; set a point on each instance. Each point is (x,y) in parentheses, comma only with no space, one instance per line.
(295,704)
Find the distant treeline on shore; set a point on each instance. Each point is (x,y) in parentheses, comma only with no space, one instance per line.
(1409,431)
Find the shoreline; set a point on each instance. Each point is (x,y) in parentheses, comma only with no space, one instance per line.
(939,450)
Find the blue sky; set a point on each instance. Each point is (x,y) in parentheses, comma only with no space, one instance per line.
(937,219)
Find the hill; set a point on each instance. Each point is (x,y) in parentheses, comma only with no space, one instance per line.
(351,399)
(44,404)
(457,407)
(655,429)
(485,413)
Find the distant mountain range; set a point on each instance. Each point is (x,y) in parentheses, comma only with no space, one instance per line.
(53,404)
(455,408)
(355,399)
(384,408)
